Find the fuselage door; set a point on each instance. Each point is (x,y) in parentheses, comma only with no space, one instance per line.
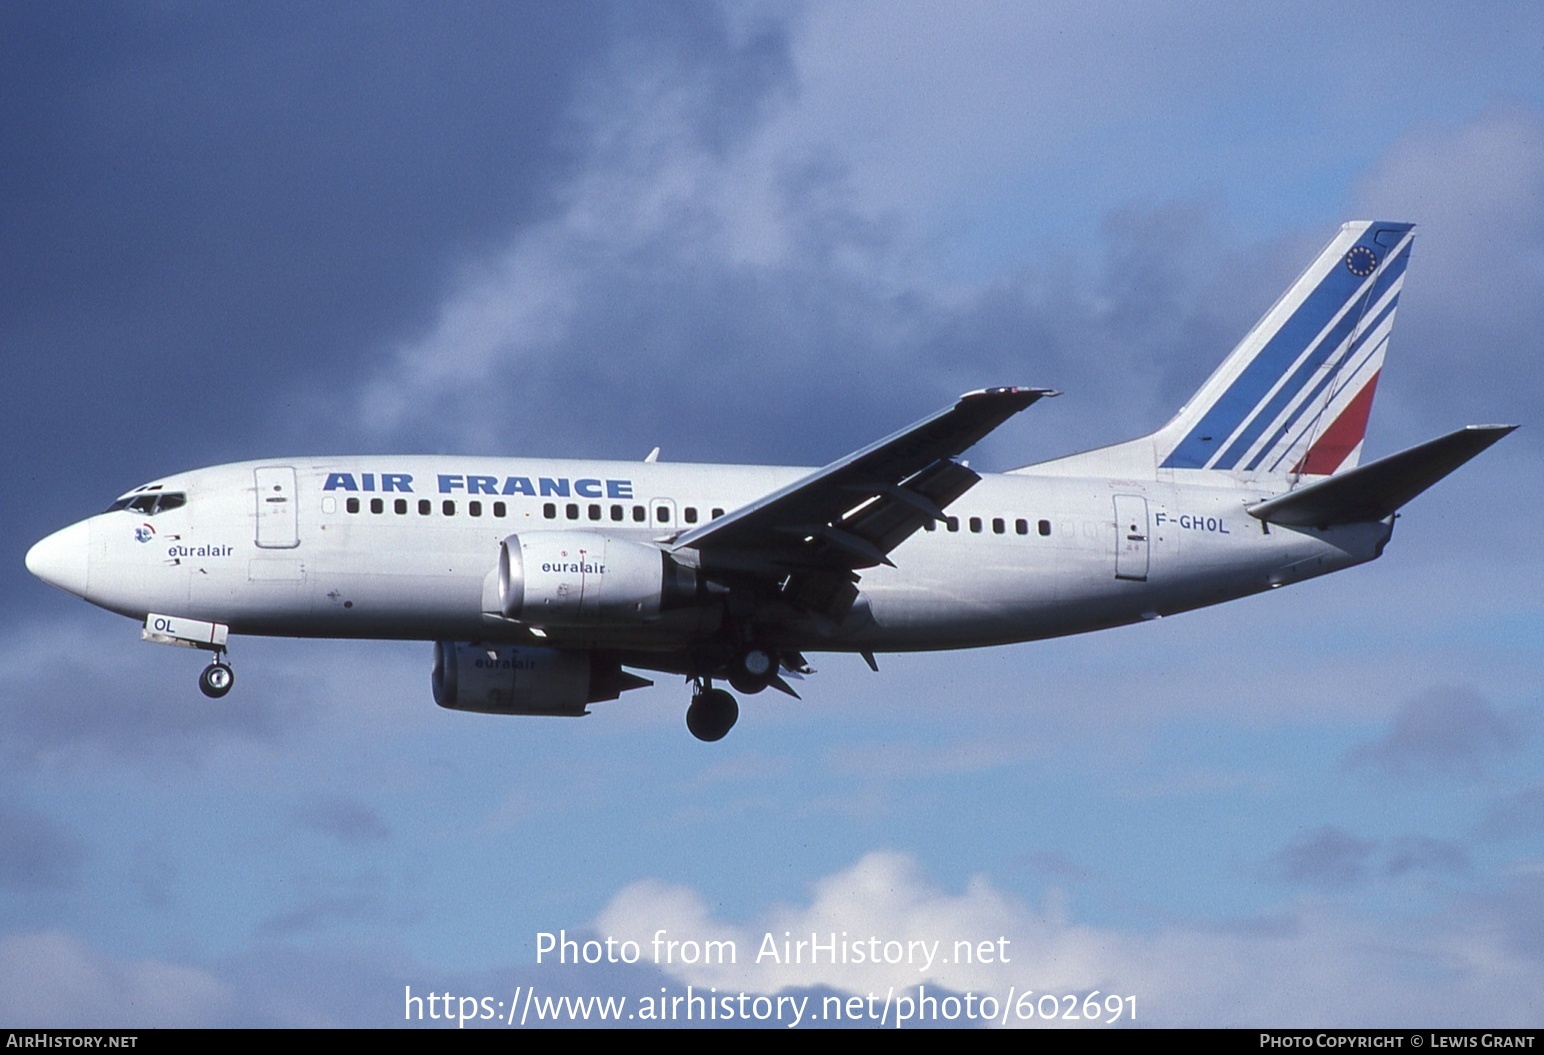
(1131,537)
(277,521)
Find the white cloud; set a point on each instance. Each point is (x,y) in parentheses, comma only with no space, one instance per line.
(54,979)
(1314,963)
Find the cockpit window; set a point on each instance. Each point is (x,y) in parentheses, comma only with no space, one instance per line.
(150,503)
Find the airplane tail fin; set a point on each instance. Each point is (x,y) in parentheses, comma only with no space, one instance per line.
(1294,396)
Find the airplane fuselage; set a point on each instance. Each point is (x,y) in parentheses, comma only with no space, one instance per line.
(541,581)
(407,548)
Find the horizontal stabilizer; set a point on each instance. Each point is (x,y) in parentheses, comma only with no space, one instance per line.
(1375,491)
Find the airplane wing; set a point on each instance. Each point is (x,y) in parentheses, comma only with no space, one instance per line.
(852,513)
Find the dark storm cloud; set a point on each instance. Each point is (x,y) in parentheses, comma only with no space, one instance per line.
(215,217)
(1447,732)
(205,207)
(802,357)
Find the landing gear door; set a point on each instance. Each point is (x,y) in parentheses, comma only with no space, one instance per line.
(1131,553)
(277,521)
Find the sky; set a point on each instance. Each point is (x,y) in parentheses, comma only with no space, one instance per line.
(767,233)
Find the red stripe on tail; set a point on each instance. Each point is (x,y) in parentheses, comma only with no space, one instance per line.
(1330,450)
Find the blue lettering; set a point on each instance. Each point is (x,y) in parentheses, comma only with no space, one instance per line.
(451,482)
(619,489)
(519,485)
(482,485)
(587,488)
(558,487)
(340,482)
(369,480)
(397,482)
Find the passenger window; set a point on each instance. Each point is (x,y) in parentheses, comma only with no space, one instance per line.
(998,526)
(474,509)
(572,510)
(499,509)
(662,514)
(691,514)
(1045,527)
(425,507)
(448,508)
(400,505)
(638,514)
(549,510)
(975,525)
(594,512)
(717,512)
(617,513)
(929,525)
(953,523)
(352,505)
(1021,526)
(377,505)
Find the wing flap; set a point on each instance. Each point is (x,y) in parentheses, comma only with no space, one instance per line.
(1378,489)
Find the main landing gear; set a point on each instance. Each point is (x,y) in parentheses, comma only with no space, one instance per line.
(713,712)
(753,669)
(217,678)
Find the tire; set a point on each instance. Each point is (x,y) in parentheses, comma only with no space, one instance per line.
(216,680)
(711,715)
(753,669)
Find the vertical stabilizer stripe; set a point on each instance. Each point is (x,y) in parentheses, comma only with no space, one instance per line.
(1319,355)
(1338,372)
(1315,330)
(1330,450)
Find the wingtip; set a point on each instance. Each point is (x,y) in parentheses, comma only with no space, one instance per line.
(1003,391)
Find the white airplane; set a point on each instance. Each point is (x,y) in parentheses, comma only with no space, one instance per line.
(541,581)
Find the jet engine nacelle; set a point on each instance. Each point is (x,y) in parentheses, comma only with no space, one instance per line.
(588,578)
(510,679)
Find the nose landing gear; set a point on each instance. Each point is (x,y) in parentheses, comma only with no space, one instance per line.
(217,678)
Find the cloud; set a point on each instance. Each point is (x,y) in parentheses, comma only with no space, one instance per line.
(1310,963)
(39,853)
(1517,815)
(1326,857)
(1415,854)
(65,701)
(1447,732)
(347,820)
(1476,189)
(52,979)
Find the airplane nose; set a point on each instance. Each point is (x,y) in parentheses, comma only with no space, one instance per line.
(61,559)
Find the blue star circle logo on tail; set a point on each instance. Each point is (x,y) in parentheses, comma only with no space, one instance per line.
(1361,261)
